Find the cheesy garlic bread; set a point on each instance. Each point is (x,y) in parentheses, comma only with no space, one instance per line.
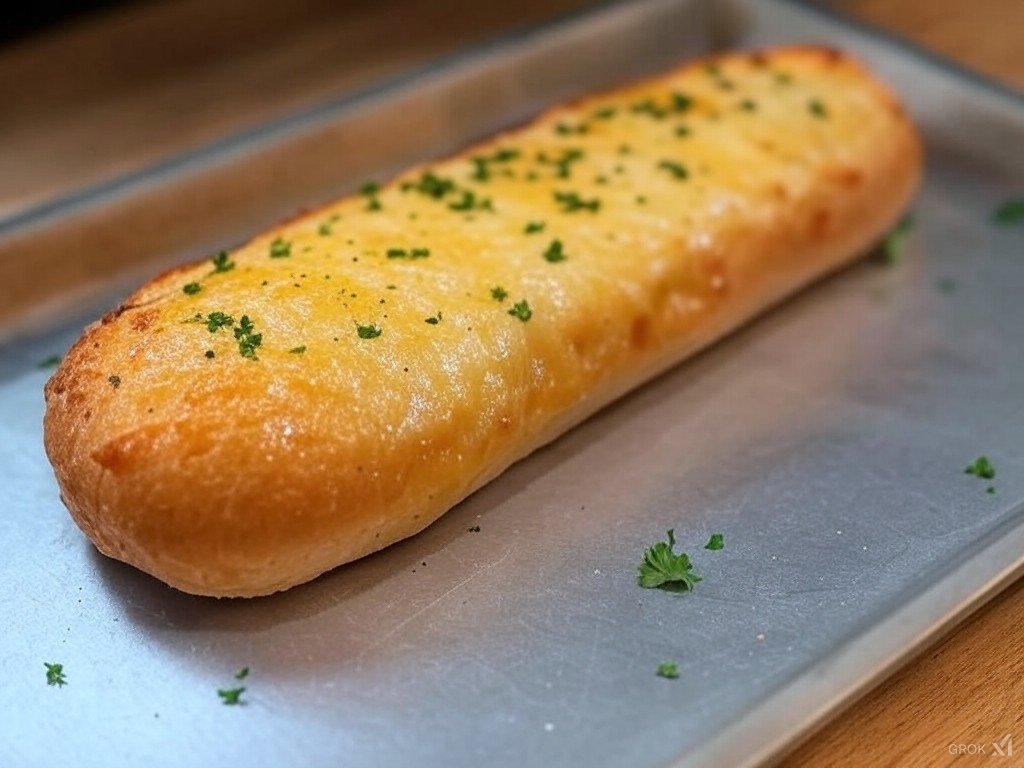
(240,425)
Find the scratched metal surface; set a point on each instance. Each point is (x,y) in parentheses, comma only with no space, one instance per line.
(826,441)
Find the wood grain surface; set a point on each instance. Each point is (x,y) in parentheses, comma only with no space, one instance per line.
(110,93)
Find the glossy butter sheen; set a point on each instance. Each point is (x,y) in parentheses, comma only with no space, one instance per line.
(391,376)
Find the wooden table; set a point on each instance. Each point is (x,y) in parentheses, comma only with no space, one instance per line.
(110,93)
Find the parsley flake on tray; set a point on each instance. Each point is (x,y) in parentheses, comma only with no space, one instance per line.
(981,467)
(668,670)
(1009,212)
(231,696)
(664,569)
(55,674)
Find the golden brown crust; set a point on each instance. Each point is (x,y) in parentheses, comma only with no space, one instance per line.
(237,476)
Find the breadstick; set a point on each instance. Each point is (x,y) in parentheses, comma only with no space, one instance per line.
(242,424)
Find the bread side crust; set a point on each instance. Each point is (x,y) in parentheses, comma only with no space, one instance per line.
(251,483)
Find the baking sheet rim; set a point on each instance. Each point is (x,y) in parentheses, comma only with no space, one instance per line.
(769,729)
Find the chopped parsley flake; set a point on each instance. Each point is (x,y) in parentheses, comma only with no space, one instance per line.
(51,362)
(715,72)
(554,252)
(677,170)
(222,262)
(297,350)
(231,696)
(716,542)
(470,202)
(817,108)
(533,227)
(324,229)
(248,340)
(895,242)
(683,130)
(369,190)
(649,107)
(748,105)
(210,354)
(505,155)
(481,169)
(564,129)
(521,310)
(664,569)
(216,320)
(434,320)
(368,331)
(114,381)
(571,202)
(681,102)
(668,669)
(191,289)
(498,293)
(242,673)
(280,248)
(482,163)
(55,674)
(411,253)
(981,467)
(604,113)
(563,163)
(1009,212)
(431,185)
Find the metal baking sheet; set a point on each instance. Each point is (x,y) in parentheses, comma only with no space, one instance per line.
(826,441)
